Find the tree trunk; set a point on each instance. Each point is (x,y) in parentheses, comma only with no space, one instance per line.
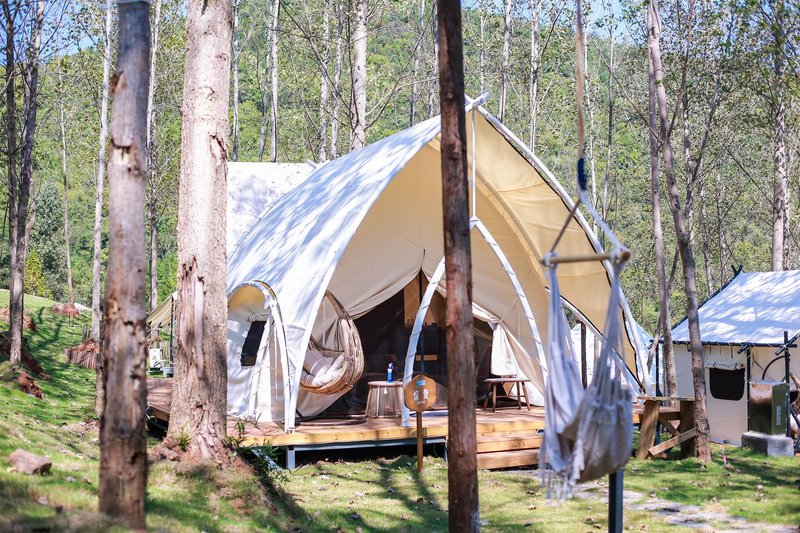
(587,89)
(780,202)
(99,397)
(432,85)
(123,444)
(273,102)
(664,316)
(702,449)
(199,401)
(501,109)
(11,156)
(235,4)
(482,46)
(462,473)
(358,75)
(337,90)
(20,191)
(323,84)
(704,241)
(533,82)
(152,161)
(610,130)
(62,124)
(414,91)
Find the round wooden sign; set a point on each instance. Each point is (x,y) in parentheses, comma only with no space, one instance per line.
(420,393)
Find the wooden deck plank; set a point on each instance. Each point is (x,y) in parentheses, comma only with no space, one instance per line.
(508,459)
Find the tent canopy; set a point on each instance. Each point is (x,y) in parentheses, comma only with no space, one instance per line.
(364,225)
(754,307)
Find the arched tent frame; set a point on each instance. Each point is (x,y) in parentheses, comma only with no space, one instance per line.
(630,323)
(274,335)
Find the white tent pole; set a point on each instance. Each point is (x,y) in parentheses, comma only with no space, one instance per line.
(408,369)
(512,276)
(474,178)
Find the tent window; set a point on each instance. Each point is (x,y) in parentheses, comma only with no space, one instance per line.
(726,384)
(252,342)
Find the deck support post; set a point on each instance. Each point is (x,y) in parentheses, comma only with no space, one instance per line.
(615,483)
(291,463)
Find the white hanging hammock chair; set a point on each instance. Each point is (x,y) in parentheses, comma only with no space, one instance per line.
(588,433)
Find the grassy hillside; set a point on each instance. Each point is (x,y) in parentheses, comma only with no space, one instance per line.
(62,426)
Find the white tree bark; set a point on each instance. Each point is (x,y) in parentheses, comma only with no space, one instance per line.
(501,111)
(323,84)
(358,75)
(235,4)
(533,82)
(273,104)
(337,90)
(101,174)
(152,160)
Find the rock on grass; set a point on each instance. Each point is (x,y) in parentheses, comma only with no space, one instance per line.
(29,463)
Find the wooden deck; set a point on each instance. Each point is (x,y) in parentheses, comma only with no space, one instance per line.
(159,392)
(507,437)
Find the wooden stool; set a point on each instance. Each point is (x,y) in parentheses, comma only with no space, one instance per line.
(384,399)
(491,390)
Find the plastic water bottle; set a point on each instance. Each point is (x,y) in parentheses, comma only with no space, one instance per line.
(389,373)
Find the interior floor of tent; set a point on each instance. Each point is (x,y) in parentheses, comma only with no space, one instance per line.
(508,437)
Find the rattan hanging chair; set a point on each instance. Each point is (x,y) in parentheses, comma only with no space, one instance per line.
(335,368)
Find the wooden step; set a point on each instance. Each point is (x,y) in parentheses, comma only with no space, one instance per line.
(508,459)
(498,442)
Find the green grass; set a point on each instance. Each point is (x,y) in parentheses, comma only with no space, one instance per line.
(753,486)
(375,495)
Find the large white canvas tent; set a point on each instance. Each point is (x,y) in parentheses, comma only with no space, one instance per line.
(363,226)
(754,308)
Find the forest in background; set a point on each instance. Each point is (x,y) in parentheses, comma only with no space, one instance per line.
(732,78)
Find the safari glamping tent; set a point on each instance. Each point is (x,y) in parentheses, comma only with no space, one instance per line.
(748,317)
(344,274)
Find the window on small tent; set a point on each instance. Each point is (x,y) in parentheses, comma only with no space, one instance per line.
(252,342)
(726,383)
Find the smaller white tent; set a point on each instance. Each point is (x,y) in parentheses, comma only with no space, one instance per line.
(754,308)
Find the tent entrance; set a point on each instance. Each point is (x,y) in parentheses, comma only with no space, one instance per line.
(385,331)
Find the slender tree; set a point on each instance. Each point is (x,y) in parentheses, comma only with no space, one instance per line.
(664,317)
(780,202)
(236,6)
(322,152)
(358,78)
(273,102)
(337,74)
(123,444)
(702,449)
(533,82)
(98,206)
(462,473)
(152,160)
(199,391)
(62,122)
(504,74)
(20,180)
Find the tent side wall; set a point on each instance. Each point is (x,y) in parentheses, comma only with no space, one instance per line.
(727,418)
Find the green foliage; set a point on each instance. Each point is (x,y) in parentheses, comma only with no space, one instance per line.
(34,276)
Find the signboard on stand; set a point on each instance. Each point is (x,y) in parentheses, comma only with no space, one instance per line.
(419,395)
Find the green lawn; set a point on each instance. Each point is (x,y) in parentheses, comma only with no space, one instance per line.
(374,495)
